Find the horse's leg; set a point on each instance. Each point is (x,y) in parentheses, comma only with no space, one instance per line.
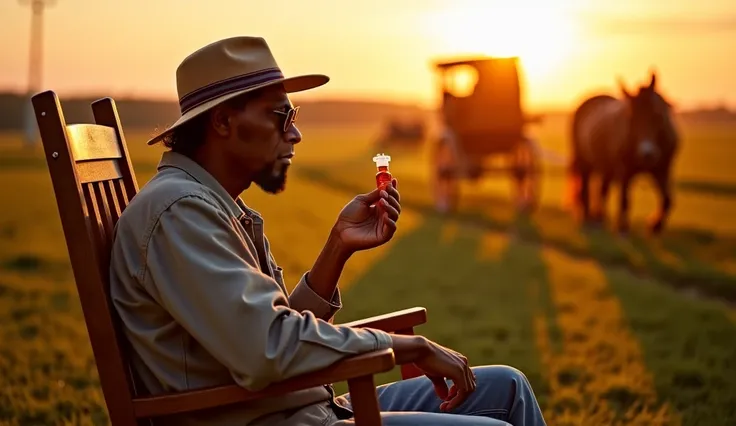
(623,213)
(662,182)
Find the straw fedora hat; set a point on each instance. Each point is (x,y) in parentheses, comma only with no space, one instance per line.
(228,68)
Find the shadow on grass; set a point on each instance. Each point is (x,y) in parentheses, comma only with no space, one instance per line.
(688,346)
(631,346)
(726,190)
(598,346)
(590,360)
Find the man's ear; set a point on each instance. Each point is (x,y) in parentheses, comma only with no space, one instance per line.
(220,120)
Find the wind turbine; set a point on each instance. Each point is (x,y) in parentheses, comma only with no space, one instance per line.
(35,66)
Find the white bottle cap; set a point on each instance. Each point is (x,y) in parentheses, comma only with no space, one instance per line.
(381,160)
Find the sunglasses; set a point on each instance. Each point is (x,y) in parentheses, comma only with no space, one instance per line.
(289,116)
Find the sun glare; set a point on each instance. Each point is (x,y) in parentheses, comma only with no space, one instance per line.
(539,32)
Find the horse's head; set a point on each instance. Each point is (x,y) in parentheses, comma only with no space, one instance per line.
(651,129)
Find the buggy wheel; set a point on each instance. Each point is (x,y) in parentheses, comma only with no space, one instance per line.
(526,170)
(445,185)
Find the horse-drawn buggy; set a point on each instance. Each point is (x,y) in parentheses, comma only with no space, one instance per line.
(483,131)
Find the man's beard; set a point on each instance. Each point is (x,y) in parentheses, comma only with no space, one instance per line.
(272,178)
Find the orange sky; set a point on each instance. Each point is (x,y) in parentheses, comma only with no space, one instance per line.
(382,48)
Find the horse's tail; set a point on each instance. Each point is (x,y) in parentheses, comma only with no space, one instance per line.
(571,195)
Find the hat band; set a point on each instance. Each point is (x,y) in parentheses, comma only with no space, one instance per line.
(227,86)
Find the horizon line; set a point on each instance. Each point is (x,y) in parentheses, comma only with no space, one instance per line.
(347,98)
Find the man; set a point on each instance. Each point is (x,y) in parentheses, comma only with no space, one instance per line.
(202,300)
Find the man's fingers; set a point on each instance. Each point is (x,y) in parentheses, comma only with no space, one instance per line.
(393,213)
(463,386)
(468,373)
(388,226)
(392,191)
(456,401)
(452,393)
(455,397)
(471,380)
(394,202)
(373,196)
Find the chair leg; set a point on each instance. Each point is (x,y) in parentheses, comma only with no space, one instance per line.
(364,401)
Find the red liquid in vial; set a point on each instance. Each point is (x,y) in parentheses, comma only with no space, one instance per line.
(383,177)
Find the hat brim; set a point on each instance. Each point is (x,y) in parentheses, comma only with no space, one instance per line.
(291,85)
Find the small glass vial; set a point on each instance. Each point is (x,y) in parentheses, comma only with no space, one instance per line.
(383,177)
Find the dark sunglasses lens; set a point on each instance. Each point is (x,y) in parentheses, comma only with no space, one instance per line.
(290,118)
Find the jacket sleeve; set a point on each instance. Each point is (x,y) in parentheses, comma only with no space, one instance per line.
(303,297)
(201,271)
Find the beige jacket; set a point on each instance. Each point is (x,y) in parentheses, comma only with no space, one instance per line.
(203,302)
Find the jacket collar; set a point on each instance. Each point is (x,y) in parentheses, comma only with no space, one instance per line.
(236,206)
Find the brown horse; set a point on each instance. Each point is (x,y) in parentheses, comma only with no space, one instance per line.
(618,139)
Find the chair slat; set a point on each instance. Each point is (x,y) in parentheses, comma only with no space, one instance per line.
(106,114)
(92,142)
(120,192)
(93,214)
(96,171)
(116,207)
(105,213)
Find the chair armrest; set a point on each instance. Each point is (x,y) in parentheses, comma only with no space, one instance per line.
(397,321)
(361,365)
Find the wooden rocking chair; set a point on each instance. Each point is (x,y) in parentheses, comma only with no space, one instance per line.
(93,181)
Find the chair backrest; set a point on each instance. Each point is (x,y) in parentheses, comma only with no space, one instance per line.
(93,181)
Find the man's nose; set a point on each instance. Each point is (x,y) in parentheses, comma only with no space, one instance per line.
(293,136)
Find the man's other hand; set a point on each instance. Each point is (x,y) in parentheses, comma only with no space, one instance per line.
(369,220)
(438,363)
(442,363)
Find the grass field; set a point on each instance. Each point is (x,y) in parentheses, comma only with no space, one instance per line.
(633,331)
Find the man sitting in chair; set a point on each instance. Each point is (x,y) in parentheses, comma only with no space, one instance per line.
(202,300)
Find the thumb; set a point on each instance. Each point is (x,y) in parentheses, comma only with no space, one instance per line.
(373,196)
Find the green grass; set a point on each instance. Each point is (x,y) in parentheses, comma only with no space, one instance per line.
(602,326)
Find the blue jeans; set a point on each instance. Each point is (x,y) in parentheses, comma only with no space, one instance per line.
(502,396)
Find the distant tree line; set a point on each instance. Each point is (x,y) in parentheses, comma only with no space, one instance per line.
(150,114)
(133,113)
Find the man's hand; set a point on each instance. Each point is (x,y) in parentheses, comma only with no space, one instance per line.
(438,363)
(442,363)
(369,220)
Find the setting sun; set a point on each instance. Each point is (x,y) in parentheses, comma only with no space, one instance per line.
(540,34)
